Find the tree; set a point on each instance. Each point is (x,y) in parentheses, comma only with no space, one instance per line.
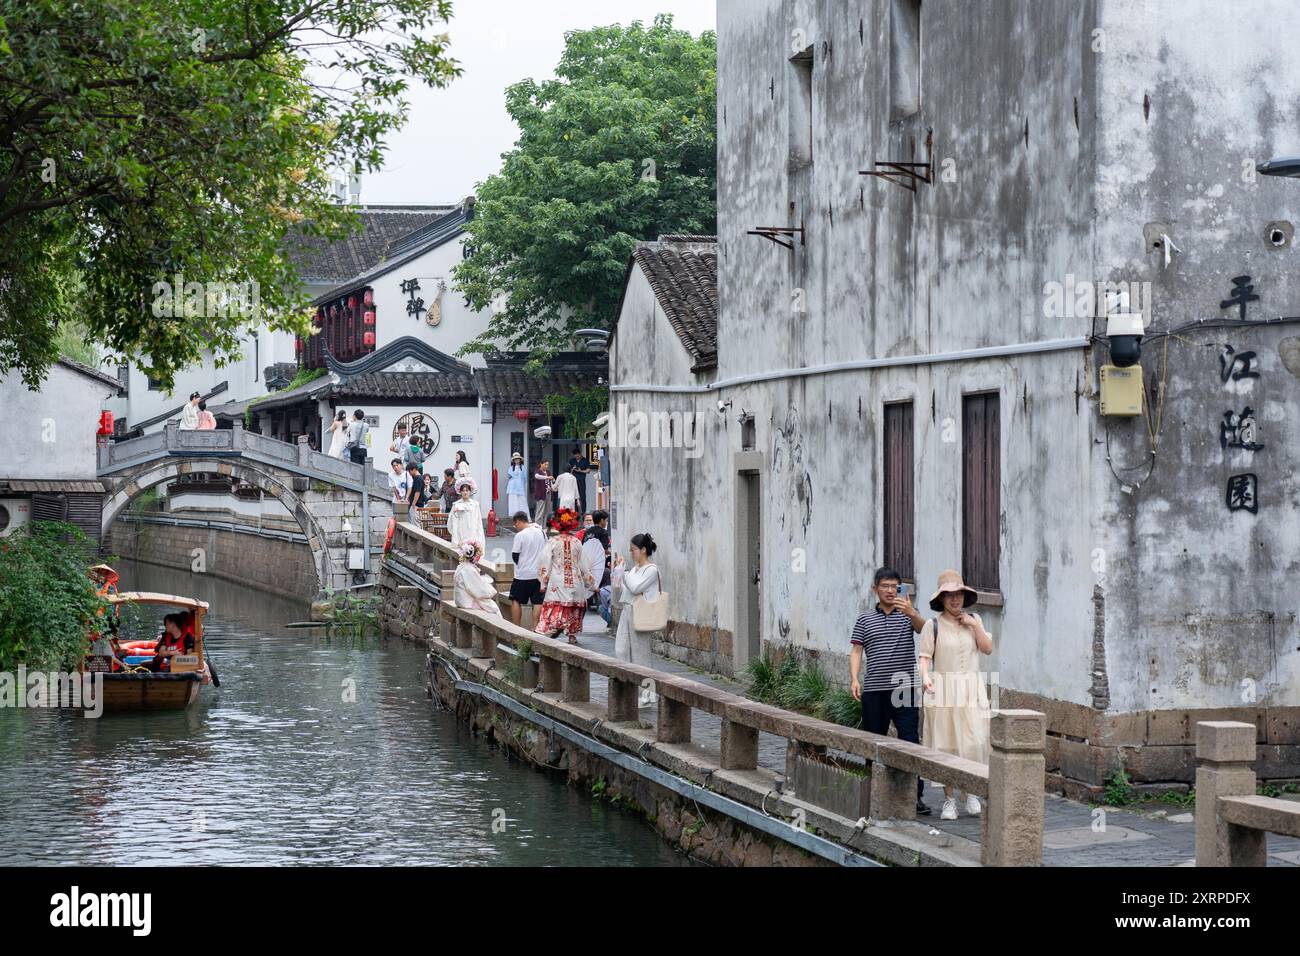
(618,148)
(146,143)
(47,601)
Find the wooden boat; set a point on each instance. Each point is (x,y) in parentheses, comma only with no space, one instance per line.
(134,688)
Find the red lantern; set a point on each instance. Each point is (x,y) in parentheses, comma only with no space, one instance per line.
(522,414)
(369,318)
(105,423)
(368,338)
(368,297)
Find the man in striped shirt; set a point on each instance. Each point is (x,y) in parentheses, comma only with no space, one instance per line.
(886,689)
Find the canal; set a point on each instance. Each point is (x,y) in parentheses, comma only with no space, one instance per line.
(280,766)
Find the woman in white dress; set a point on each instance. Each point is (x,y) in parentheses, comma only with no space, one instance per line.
(641,578)
(462,467)
(465,523)
(338,432)
(474,590)
(955,698)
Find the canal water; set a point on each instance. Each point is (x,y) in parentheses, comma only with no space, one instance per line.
(279,766)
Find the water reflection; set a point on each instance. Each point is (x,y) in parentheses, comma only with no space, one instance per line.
(276,767)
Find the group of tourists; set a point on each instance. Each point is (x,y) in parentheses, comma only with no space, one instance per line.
(565,574)
(883,673)
(569,487)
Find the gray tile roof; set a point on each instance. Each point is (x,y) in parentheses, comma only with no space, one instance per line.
(427,387)
(382,227)
(504,379)
(683,272)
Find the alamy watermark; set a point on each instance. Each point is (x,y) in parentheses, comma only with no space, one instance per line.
(1083,299)
(638,429)
(55,689)
(205,300)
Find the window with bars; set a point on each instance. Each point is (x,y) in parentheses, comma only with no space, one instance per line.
(899,496)
(981,492)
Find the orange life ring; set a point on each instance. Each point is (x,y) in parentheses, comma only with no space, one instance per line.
(388,538)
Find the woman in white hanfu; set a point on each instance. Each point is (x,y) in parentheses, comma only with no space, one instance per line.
(474,590)
(465,523)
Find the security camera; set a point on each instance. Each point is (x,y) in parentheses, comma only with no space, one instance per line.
(723,406)
(1124,330)
(543,432)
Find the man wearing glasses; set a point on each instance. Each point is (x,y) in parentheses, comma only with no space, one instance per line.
(887,688)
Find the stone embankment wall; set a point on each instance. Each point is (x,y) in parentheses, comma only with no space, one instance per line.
(274,565)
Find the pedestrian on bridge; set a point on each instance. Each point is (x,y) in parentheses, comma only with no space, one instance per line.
(565,580)
(886,687)
(640,581)
(465,523)
(357,438)
(338,432)
(956,700)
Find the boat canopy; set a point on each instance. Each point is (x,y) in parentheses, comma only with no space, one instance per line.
(153,597)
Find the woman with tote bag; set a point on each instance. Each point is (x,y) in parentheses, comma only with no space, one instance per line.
(645,607)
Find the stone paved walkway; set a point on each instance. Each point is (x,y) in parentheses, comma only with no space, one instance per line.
(1154,835)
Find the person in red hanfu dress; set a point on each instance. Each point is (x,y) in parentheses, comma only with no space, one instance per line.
(566,581)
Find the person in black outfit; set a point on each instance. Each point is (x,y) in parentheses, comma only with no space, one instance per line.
(416,497)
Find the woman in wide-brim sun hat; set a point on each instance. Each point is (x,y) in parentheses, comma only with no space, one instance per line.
(465,522)
(516,486)
(566,581)
(955,699)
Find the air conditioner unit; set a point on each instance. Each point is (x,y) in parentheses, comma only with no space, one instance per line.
(14,513)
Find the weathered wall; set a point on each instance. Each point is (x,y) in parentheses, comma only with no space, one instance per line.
(267,564)
(885,272)
(1198,611)
(49,433)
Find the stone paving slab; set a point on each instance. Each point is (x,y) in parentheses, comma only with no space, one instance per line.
(1075,834)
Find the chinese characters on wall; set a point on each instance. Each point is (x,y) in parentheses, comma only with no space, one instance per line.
(1239,429)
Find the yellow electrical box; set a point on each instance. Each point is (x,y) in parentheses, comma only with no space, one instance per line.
(1121,390)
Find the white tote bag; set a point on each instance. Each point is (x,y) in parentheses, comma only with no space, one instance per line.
(651,615)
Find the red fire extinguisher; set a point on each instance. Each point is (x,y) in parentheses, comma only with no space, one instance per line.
(492,523)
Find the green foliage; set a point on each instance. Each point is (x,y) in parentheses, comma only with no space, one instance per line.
(598,788)
(73,342)
(514,669)
(580,408)
(619,147)
(145,139)
(1119,792)
(1272,790)
(305,375)
(839,706)
(47,601)
(760,676)
(807,689)
(353,614)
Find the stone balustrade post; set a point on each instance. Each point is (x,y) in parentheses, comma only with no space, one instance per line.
(674,725)
(237,436)
(893,792)
(551,675)
(1013,817)
(464,633)
(172,430)
(1225,754)
(623,700)
(575,683)
(483,642)
(304,452)
(739,746)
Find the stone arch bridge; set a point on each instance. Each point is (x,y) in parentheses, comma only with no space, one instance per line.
(322,493)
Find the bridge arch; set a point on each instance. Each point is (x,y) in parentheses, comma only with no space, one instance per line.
(126,486)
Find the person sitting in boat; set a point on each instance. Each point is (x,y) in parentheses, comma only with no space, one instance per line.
(172,641)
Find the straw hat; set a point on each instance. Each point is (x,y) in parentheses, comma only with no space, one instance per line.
(950,581)
(516,457)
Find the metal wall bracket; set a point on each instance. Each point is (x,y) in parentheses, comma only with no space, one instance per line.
(781,235)
(901,174)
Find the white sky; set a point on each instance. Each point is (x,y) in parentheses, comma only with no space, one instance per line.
(455,136)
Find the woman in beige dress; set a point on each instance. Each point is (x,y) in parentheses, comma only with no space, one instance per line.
(956,701)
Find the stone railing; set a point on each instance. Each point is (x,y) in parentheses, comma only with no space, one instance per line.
(1011,784)
(236,441)
(430,555)
(1232,822)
